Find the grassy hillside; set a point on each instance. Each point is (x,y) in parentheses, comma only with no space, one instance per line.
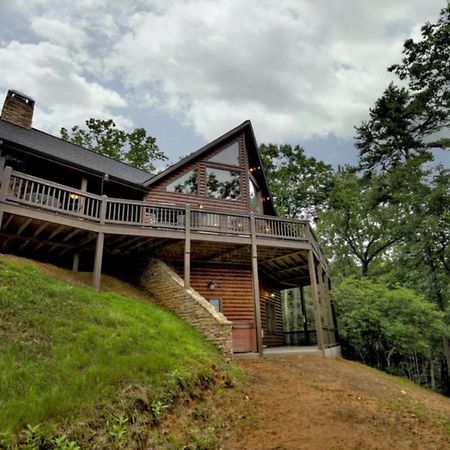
(77,365)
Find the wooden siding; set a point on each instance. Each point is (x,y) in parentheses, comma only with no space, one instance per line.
(158,194)
(277,338)
(234,288)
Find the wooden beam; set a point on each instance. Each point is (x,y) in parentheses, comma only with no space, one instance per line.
(98,262)
(75,262)
(8,221)
(23,226)
(56,231)
(71,234)
(24,245)
(40,229)
(264,261)
(255,280)
(315,299)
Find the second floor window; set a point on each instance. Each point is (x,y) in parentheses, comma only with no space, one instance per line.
(223,184)
(186,184)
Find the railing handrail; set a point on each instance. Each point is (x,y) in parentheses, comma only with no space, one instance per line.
(308,236)
(55,185)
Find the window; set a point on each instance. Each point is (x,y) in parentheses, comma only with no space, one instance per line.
(271,319)
(228,156)
(255,198)
(216,302)
(223,184)
(186,184)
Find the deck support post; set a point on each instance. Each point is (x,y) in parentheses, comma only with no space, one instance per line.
(305,317)
(315,299)
(5,179)
(99,247)
(98,261)
(75,262)
(2,165)
(187,248)
(255,278)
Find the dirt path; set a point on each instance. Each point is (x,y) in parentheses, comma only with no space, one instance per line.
(306,402)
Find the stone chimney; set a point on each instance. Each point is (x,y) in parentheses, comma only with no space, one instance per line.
(18,109)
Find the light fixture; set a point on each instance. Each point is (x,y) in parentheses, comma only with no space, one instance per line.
(74,196)
(272,295)
(211,285)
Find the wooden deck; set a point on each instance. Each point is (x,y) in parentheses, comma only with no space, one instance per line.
(39,199)
(40,215)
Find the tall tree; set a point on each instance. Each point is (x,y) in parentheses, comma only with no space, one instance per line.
(103,136)
(360,225)
(409,122)
(300,184)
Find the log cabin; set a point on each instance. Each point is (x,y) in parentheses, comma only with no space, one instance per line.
(210,218)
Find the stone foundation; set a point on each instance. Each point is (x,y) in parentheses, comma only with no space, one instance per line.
(167,289)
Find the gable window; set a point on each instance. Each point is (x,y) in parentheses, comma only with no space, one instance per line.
(255,198)
(229,156)
(224,184)
(186,184)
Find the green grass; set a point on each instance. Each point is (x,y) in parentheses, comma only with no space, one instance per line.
(66,351)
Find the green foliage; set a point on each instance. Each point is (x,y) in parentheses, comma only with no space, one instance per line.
(300,184)
(383,324)
(63,443)
(118,430)
(102,136)
(66,350)
(157,408)
(360,225)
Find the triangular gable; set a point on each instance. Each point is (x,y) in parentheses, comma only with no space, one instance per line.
(215,158)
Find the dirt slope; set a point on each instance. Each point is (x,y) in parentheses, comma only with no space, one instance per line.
(306,402)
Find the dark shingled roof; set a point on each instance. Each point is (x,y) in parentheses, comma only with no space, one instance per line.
(47,145)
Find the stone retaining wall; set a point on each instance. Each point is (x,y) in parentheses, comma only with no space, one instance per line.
(167,288)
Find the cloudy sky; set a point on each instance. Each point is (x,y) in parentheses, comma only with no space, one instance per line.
(303,71)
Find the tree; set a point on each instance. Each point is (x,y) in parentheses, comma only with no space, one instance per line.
(405,122)
(102,136)
(360,225)
(300,184)
(405,125)
(391,328)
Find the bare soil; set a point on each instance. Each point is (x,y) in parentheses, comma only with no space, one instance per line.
(307,402)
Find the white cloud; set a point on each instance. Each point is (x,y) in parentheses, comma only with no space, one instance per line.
(64,97)
(298,69)
(58,32)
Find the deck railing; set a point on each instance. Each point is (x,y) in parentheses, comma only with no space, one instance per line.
(39,193)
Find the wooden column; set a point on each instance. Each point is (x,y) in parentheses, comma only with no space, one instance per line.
(99,248)
(187,248)
(6,177)
(305,317)
(323,305)
(98,261)
(2,165)
(75,262)
(315,299)
(82,200)
(255,278)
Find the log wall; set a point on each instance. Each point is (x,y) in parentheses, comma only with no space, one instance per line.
(159,196)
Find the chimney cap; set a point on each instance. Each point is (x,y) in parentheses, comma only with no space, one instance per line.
(24,98)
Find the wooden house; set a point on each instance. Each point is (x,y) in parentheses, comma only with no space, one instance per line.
(210,217)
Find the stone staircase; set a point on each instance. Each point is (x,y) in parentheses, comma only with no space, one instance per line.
(168,290)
